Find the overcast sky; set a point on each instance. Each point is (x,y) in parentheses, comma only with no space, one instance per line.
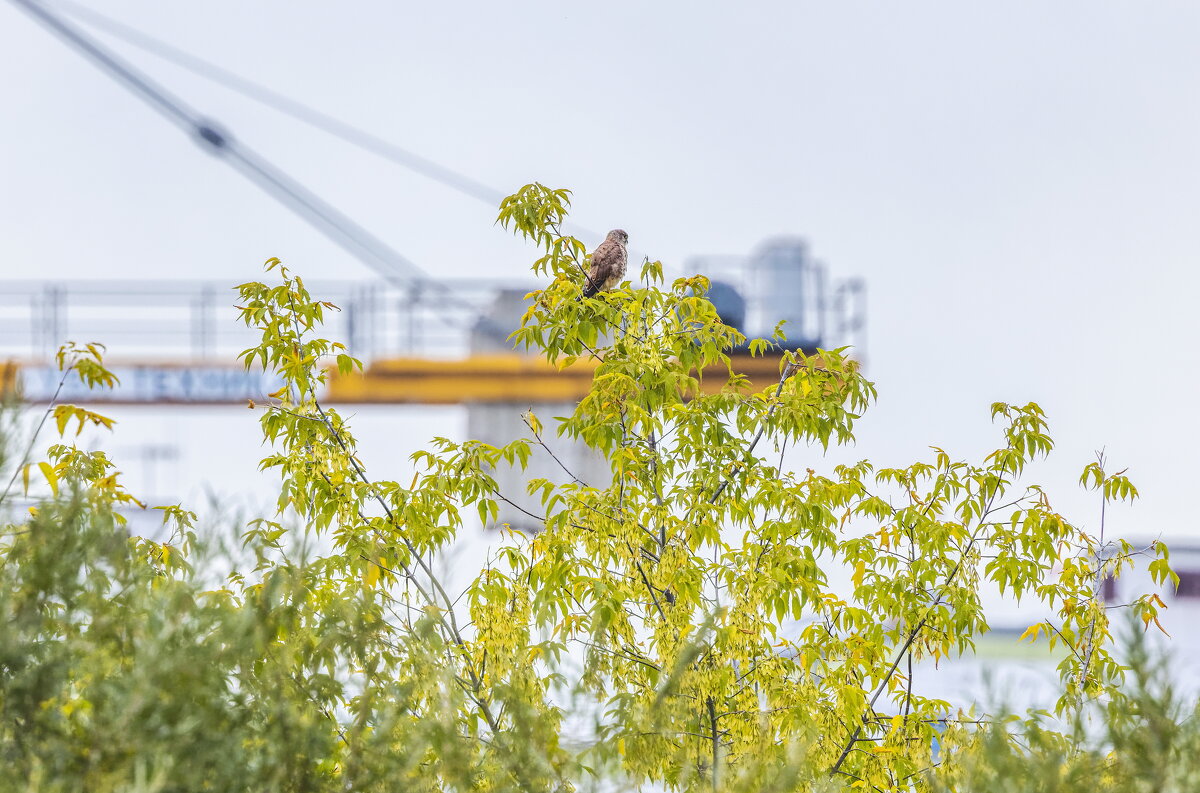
(1018,182)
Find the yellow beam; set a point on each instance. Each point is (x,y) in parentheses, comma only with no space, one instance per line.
(498,378)
(479,378)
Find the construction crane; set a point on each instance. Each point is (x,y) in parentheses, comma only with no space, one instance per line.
(422,337)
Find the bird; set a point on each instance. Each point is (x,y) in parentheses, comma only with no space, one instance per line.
(608,263)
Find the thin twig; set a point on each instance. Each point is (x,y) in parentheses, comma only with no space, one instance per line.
(37,431)
(537,437)
(788,370)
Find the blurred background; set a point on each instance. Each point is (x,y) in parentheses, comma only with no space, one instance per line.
(992,202)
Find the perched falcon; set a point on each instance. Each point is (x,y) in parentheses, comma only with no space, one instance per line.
(608,263)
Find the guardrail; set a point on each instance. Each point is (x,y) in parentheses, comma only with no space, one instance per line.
(195,322)
(190,321)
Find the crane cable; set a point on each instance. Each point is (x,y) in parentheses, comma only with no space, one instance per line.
(286,105)
(366,247)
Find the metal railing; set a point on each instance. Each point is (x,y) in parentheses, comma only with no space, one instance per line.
(196,320)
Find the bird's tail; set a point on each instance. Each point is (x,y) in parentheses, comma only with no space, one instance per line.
(591,288)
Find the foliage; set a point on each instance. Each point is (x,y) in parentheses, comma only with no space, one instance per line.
(691,601)
(1145,741)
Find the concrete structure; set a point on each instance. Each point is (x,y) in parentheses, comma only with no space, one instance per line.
(501,421)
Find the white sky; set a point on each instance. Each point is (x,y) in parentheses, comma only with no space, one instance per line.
(1018,182)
